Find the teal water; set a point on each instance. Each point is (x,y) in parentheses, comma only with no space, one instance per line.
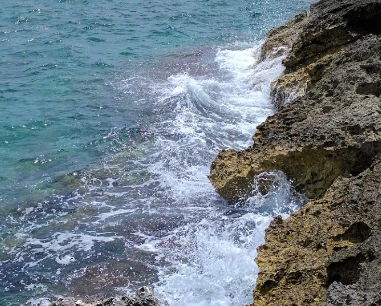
(111,113)
(60,61)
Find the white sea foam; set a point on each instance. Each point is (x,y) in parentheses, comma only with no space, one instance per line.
(38,302)
(104,216)
(211,260)
(210,112)
(204,248)
(158,193)
(65,260)
(59,247)
(213,267)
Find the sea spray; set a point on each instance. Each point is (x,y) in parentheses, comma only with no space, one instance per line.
(148,214)
(209,260)
(110,122)
(208,112)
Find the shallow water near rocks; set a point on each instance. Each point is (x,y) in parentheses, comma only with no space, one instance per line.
(111,116)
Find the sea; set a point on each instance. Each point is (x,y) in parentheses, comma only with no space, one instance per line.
(112,112)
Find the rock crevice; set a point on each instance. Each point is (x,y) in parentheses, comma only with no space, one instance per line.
(327,140)
(333,129)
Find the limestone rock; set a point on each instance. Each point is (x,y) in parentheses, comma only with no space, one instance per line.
(339,294)
(280,40)
(332,25)
(330,245)
(334,129)
(278,43)
(142,297)
(328,142)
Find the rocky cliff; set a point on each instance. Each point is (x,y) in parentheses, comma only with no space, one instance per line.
(328,142)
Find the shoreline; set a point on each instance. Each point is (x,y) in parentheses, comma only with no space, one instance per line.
(328,142)
(298,276)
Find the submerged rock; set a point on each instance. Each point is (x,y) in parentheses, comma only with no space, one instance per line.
(142,297)
(326,137)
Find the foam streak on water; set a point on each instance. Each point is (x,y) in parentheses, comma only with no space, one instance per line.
(148,214)
(210,260)
(209,113)
(111,121)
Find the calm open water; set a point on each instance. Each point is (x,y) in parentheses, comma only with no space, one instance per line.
(111,113)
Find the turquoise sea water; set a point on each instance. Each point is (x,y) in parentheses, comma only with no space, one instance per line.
(111,113)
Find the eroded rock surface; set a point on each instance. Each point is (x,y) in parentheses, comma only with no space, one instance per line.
(280,40)
(332,130)
(142,297)
(330,245)
(328,142)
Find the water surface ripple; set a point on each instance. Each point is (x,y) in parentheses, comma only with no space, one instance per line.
(111,113)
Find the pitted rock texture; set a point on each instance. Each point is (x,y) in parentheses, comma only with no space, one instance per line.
(333,129)
(329,251)
(280,40)
(331,25)
(142,297)
(328,142)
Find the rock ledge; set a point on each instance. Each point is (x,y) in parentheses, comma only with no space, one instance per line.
(328,142)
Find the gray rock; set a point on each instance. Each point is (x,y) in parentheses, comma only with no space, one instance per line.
(142,297)
(328,142)
(332,130)
(353,295)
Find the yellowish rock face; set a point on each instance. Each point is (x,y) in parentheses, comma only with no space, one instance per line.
(326,137)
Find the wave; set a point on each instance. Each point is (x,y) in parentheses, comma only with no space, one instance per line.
(148,213)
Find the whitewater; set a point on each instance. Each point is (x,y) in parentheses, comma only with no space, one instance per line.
(107,188)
